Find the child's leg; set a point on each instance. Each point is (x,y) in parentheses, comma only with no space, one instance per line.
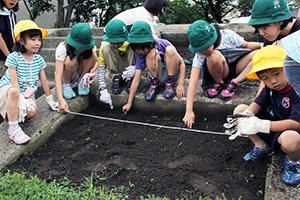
(14,131)
(152,62)
(290,144)
(85,66)
(70,70)
(243,67)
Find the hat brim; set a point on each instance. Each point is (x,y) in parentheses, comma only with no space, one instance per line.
(201,48)
(140,40)
(269,65)
(44,33)
(80,46)
(114,40)
(267,20)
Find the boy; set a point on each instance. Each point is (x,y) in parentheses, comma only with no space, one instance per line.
(278,106)
(162,61)
(118,57)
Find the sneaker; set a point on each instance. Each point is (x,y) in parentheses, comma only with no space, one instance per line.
(229,91)
(128,82)
(117,85)
(155,87)
(17,135)
(68,91)
(170,91)
(82,91)
(257,153)
(291,173)
(214,90)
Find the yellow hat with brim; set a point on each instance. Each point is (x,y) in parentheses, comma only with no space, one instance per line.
(25,25)
(268,57)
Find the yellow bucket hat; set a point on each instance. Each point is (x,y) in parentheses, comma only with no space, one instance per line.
(25,25)
(268,57)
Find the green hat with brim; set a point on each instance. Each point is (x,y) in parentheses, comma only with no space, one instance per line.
(201,36)
(267,11)
(116,31)
(268,57)
(140,32)
(80,37)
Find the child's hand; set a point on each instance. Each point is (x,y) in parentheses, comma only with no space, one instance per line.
(180,91)
(63,107)
(126,108)
(189,118)
(106,98)
(53,104)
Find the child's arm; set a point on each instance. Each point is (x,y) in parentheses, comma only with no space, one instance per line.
(252,45)
(180,86)
(3,46)
(189,116)
(95,67)
(13,77)
(44,82)
(283,125)
(133,88)
(62,104)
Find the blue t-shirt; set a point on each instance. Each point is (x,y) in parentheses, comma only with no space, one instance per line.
(285,104)
(27,72)
(161,47)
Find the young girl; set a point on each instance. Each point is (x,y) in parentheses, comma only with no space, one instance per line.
(20,82)
(224,65)
(75,58)
(7,23)
(162,61)
(146,13)
(274,25)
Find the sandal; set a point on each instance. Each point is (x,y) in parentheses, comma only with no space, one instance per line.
(82,91)
(17,135)
(68,91)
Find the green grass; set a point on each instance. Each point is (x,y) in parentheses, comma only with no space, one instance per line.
(16,186)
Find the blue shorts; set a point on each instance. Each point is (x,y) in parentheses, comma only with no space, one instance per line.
(272,138)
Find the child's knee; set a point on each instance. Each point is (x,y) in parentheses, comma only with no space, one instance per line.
(171,52)
(70,63)
(216,57)
(290,141)
(32,113)
(13,93)
(240,108)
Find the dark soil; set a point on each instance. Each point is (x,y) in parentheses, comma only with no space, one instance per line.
(159,161)
(150,160)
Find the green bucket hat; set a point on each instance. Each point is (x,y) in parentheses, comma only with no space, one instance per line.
(116,31)
(80,37)
(140,32)
(201,36)
(269,11)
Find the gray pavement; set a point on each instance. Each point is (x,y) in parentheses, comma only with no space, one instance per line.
(46,122)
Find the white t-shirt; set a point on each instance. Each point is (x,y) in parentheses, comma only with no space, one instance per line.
(61,51)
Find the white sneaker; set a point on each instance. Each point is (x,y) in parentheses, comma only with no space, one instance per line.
(17,135)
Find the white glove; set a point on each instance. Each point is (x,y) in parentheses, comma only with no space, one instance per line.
(53,104)
(86,80)
(129,72)
(246,125)
(23,107)
(106,98)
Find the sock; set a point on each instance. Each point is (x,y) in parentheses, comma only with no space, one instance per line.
(13,125)
(170,77)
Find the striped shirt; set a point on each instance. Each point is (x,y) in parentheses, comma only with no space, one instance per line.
(27,72)
(291,45)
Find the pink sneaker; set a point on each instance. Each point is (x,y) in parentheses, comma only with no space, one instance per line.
(17,135)
(214,90)
(229,91)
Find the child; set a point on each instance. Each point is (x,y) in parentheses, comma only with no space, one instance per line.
(278,109)
(20,82)
(274,21)
(117,55)
(76,60)
(146,13)
(7,23)
(160,58)
(222,64)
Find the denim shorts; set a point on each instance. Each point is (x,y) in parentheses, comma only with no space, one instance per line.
(292,73)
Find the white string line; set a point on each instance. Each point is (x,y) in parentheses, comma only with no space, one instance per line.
(148,124)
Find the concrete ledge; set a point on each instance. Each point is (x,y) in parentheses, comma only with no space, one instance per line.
(40,128)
